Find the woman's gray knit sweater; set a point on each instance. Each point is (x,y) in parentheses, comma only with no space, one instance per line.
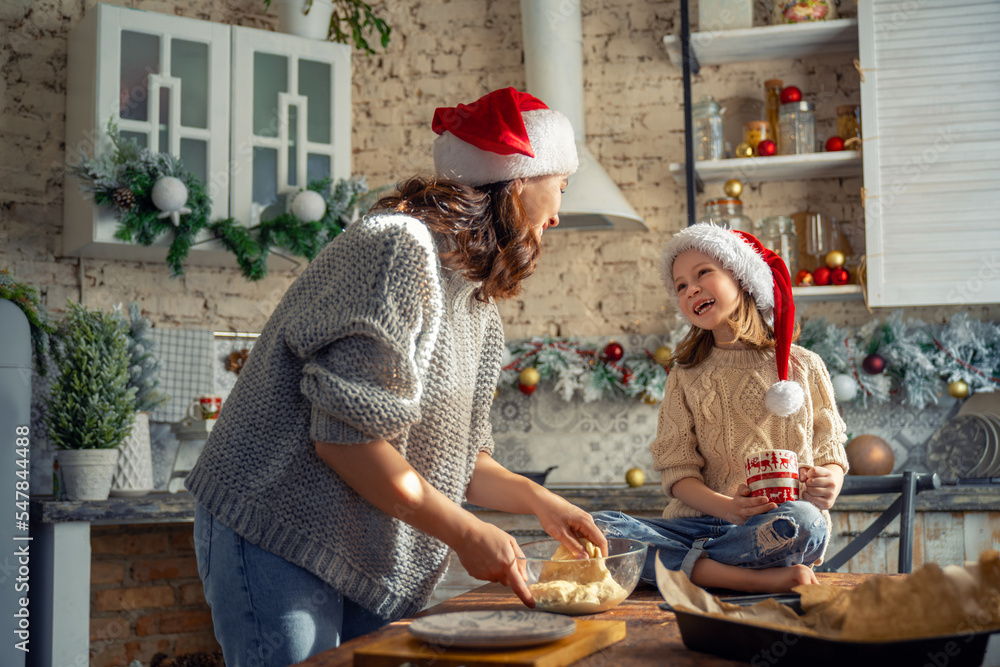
(375,340)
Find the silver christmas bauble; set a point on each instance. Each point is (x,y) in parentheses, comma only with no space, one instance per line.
(169,194)
(844,388)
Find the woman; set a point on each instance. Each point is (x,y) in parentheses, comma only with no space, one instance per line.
(329,491)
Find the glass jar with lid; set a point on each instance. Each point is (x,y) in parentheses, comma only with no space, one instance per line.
(777,232)
(727,213)
(797,128)
(707,121)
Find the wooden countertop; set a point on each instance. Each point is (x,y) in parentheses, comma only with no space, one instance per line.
(652,638)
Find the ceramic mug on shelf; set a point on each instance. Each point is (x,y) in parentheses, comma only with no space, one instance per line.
(205,407)
(773,474)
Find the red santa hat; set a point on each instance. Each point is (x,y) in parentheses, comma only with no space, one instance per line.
(501,136)
(764,275)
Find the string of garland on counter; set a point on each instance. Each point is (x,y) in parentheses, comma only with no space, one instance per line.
(155,196)
(903,360)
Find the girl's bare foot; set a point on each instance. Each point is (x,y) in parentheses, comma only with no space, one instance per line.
(710,574)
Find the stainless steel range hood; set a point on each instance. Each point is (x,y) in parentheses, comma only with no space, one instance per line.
(553,61)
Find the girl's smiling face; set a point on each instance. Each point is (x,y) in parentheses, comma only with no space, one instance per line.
(708,293)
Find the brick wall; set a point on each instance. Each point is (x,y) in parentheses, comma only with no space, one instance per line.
(145,595)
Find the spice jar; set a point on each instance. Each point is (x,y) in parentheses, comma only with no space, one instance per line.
(772,104)
(849,124)
(754,132)
(777,232)
(727,213)
(797,128)
(802,11)
(707,120)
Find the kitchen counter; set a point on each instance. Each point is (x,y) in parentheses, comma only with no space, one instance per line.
(652,636)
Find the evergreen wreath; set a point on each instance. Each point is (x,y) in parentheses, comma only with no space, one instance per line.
(124,179)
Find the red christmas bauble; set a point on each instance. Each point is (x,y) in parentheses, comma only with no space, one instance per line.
(839,276)
(525,389)
(790,94)
(834,144)
(767,147)
(873,364)
(613,352)
(821,276)
(803,278)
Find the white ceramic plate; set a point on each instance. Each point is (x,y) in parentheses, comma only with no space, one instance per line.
(492,629)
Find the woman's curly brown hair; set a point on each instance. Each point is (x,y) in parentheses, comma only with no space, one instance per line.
(492,241)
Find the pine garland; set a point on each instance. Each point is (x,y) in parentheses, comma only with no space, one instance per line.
(920,359)
(42,328)
(123,179)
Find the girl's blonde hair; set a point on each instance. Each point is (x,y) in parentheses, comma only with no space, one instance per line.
(747,324)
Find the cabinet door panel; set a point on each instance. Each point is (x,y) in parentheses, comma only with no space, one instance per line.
(297,128)
(931,117)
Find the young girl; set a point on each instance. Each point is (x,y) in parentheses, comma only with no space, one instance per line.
(727,396)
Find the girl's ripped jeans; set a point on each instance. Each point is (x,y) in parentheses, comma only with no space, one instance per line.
(793,533)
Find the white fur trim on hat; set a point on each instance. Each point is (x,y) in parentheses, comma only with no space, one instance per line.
(732,252)
(552,142)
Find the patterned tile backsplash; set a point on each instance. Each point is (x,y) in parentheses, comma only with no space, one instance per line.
(590,443)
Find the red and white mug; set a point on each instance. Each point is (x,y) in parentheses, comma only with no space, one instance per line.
(205,407)
(773,474)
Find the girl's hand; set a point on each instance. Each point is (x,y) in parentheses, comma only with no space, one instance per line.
(490,554)
(743,506)
(566,522)
(819,485)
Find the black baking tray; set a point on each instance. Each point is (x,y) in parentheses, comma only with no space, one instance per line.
(767,646)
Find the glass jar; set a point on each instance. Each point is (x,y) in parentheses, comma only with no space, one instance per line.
(707,120)
(803,11)
(797,128)
(727,213)
(724,15)
(849,124)
(754,132)
(777,232)
(772,105)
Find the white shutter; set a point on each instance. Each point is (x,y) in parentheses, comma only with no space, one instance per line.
(930,105)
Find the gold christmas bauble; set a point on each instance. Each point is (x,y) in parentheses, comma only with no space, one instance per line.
(869,455)
(835,259)
(635,477)
(662,354)
(733,188)
(649,399)
(529,376)
(744,149)
(958,389)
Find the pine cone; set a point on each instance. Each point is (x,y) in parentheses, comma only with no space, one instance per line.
(123,198)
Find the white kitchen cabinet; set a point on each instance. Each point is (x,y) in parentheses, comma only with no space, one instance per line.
(930,108)
(255,115)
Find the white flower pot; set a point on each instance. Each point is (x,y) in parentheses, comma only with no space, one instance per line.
(293,21)
(87,473)
(134,473)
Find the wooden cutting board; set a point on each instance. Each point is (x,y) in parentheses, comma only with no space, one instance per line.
(590,636)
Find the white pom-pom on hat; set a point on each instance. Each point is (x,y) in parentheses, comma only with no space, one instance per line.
(784,398)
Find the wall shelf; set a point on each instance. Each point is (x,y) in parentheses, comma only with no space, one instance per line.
(768,42)
(774,168)
(827,293)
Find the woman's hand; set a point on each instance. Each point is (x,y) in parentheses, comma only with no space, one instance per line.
(743,506)
(566,522)
(820,485)
(490,554)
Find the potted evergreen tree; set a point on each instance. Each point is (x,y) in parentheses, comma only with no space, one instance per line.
(134,473)
(90,408)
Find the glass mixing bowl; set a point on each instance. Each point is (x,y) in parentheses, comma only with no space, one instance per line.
(581,586)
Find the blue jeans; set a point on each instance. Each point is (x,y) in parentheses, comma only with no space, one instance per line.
(793,533)
(266,611)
